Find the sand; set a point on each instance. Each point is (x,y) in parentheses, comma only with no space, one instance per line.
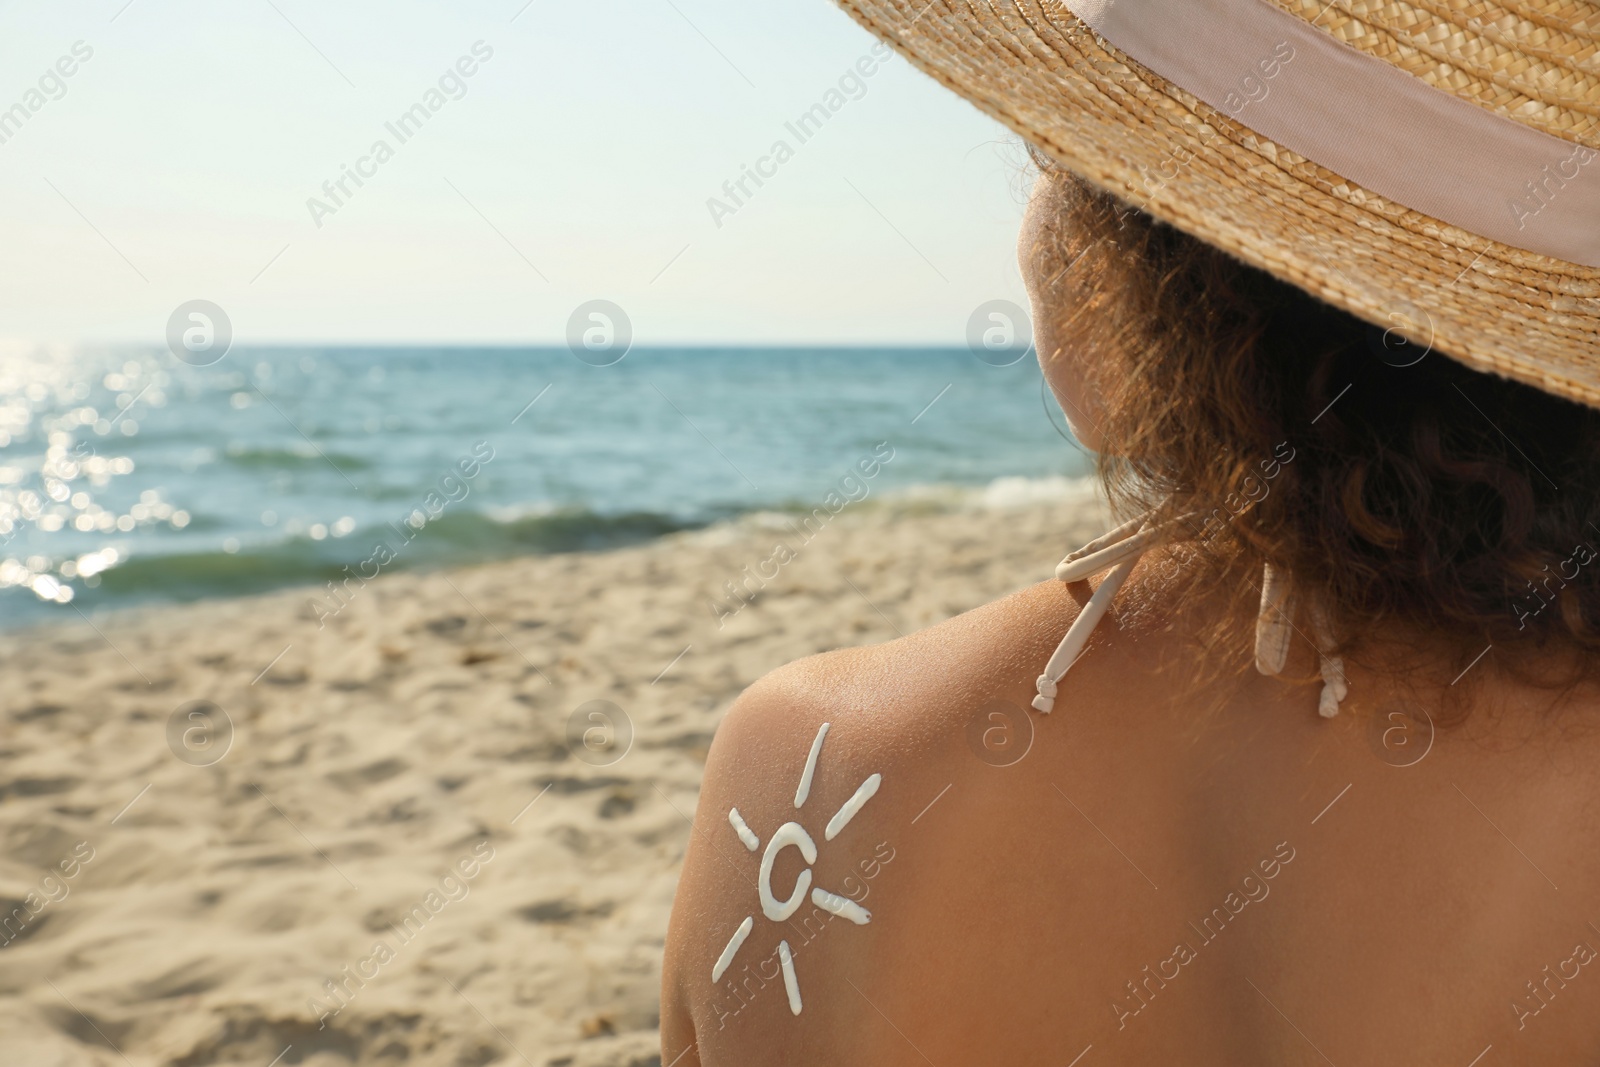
(400,810)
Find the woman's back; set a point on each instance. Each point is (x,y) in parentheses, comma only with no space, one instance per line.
(1365,402)
(1176,867)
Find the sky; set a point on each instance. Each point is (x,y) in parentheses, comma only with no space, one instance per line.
(576,162)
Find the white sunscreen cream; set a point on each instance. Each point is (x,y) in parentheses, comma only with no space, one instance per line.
(804,791)
(734,944)
(740,827)
(790,833)
(795,835)
(790,984)
(843,907)
(842,818)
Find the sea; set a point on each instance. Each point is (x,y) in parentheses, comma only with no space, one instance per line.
(129,477)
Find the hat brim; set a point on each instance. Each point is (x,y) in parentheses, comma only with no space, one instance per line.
(1043,73)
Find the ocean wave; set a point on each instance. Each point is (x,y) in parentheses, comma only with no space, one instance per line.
(466,537)
(453,539)
(999,494)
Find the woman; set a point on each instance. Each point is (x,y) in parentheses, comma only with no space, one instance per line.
(1318,282)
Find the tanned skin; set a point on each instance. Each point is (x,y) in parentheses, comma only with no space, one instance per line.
(1181,868)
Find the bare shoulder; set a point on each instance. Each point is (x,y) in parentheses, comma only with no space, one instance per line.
(895,861)
(833,786)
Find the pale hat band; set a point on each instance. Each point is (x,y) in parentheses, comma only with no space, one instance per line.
(1432,166)
(1367,120)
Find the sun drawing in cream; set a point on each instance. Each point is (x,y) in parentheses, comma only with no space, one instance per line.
(792,833)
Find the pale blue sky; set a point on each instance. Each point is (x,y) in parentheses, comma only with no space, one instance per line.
(590,143)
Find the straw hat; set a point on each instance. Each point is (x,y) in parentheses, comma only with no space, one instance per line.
(1432,166)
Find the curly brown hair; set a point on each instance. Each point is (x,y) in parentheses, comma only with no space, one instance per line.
(1397,485)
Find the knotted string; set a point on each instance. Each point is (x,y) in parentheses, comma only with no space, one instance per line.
(1275,626)
(1120,549)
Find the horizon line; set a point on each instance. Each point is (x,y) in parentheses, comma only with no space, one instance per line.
(532,346)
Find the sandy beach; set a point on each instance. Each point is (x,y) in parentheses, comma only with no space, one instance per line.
(261,832)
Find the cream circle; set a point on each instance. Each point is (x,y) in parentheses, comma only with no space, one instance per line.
(790,833)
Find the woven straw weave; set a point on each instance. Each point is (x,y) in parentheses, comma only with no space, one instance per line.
(1038,69)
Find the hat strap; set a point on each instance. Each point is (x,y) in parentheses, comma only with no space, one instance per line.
(1362,118)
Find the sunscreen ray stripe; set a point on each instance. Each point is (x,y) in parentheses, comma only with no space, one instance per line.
(843,907)
(742,828)
(804,791)
(842,817)
(791,985)
(734,944)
